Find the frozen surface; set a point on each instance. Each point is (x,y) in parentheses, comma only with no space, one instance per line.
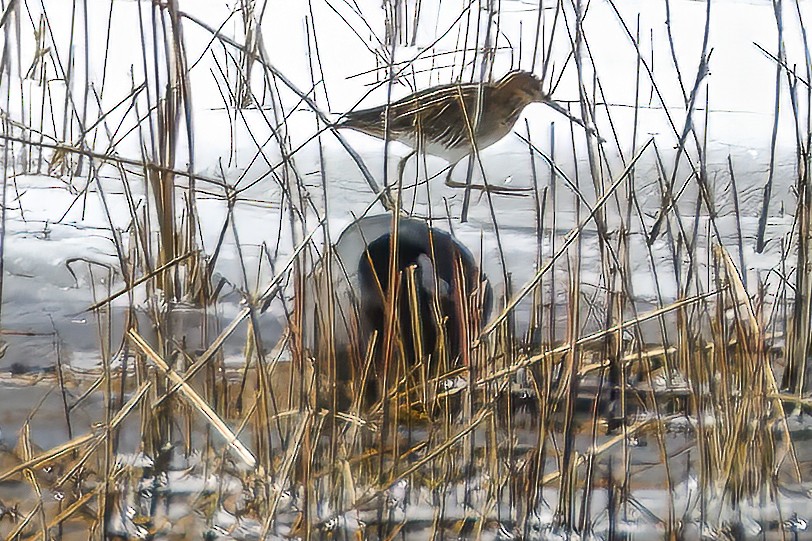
(59,255)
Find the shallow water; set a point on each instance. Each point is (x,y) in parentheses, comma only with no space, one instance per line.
(472,505)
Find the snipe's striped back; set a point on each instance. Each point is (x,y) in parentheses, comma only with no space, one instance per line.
(444,119)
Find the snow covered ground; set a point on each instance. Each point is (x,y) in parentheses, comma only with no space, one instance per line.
(54,228)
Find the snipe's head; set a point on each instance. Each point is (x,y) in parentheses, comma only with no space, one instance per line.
(523,85)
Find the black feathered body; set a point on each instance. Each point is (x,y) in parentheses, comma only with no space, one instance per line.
(433,268)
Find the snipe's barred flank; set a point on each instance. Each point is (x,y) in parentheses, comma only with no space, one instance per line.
(445,121)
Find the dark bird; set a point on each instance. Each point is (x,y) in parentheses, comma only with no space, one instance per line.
(447,120)
(434,272)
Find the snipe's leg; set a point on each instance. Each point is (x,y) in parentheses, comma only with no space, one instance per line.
(492,189)
(402,166)
(450,183)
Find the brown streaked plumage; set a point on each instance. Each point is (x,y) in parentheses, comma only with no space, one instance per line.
(445,116)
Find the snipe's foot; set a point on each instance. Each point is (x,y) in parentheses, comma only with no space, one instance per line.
(501,190)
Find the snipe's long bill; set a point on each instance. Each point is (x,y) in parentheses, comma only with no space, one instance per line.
(446,120)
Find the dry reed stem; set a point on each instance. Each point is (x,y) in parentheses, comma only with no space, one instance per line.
(284,473)
(596,450)
(69,511)
(111,158)
(571,237)
(207,355)
(598,335)
(49,456)
(756,334)
(139,281)
(195,399)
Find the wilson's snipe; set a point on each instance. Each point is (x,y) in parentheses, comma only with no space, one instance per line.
(443,119)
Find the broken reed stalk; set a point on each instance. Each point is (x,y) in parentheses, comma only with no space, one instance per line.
(196,400)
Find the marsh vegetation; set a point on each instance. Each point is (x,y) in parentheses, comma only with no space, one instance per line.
(182,357)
